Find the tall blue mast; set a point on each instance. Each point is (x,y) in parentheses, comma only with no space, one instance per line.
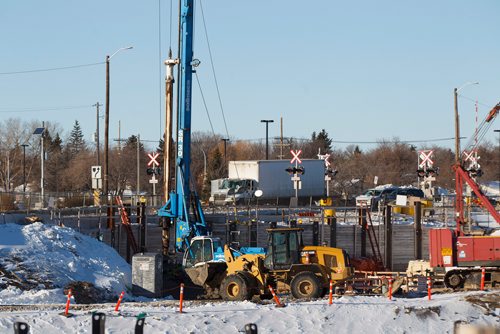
(179,203)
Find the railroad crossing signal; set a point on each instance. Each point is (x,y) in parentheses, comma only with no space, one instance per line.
(296,158)
(470,156)
(425,158)
(153,162)
(325,157)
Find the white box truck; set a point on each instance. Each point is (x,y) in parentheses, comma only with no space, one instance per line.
(269,176)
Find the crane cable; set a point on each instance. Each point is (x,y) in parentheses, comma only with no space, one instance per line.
(215,80)
(213,69)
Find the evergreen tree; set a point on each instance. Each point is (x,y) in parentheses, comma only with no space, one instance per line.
(76,144)
(322,141)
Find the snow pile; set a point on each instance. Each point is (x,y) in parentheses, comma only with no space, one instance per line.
(39,257)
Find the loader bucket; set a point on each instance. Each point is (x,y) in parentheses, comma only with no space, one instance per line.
(206,273)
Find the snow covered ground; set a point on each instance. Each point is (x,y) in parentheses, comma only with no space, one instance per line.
(48,257)
(346,315)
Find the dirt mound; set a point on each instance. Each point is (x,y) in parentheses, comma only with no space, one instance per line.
(86,293)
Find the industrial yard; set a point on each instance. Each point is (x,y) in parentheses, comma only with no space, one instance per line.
(372,204)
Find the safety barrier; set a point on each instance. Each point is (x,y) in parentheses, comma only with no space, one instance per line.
(119,301)
(181,298)
(330,297)
(276,299)
(68,301)
(429,288)
(483,276)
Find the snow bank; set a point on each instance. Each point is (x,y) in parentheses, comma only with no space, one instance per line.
(54,256)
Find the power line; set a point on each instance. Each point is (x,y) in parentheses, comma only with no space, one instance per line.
(51,69)
(21,110)
(395,141)
(475,100)
(364,142)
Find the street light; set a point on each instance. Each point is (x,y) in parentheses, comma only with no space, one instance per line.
(457,121)
(267,121)
(24,166)
(106,121)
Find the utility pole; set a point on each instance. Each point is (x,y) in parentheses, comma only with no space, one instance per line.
(498,177)
(457,120)
(106,122)
(267,121)
(138,164)
(457,128)
(106,131)
(281,137)
(42,157)
(225,140)
(24,166)
(97,144)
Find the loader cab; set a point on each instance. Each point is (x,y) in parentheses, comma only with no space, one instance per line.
(283,249)
(201,250)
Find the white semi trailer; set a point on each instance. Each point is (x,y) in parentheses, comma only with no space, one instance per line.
(269,176)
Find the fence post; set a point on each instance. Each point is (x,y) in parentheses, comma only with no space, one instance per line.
(333,231)
(98,323)
(364,225)
(315,233)
(388,237)
(418,230)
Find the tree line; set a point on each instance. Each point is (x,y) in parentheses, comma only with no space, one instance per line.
(68,160)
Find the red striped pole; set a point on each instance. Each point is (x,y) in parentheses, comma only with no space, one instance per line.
(68,301)
(483,276)
(181,298)
(331,293)
(276,299)
(390,288)
(119,301)
(429,287)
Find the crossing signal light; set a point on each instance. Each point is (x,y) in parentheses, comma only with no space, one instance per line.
(330,172)
(420,172)
(296,170)
(475,172)
(153,171)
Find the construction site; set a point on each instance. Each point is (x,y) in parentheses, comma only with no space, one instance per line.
(267,245)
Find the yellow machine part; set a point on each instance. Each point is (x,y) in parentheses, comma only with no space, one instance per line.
(327,202)
(410,209)
(253,263)
(329,257)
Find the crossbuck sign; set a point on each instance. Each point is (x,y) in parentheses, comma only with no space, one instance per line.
(425,158)
(153,162)
(296,158)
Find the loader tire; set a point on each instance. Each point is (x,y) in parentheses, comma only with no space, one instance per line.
(234,288)
(453,279)
(306,285)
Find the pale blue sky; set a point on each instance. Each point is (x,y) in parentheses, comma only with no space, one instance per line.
(362,70)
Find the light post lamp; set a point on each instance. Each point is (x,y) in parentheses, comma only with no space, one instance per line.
(24,166)
(267,121)
(106,122)
(457,120)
